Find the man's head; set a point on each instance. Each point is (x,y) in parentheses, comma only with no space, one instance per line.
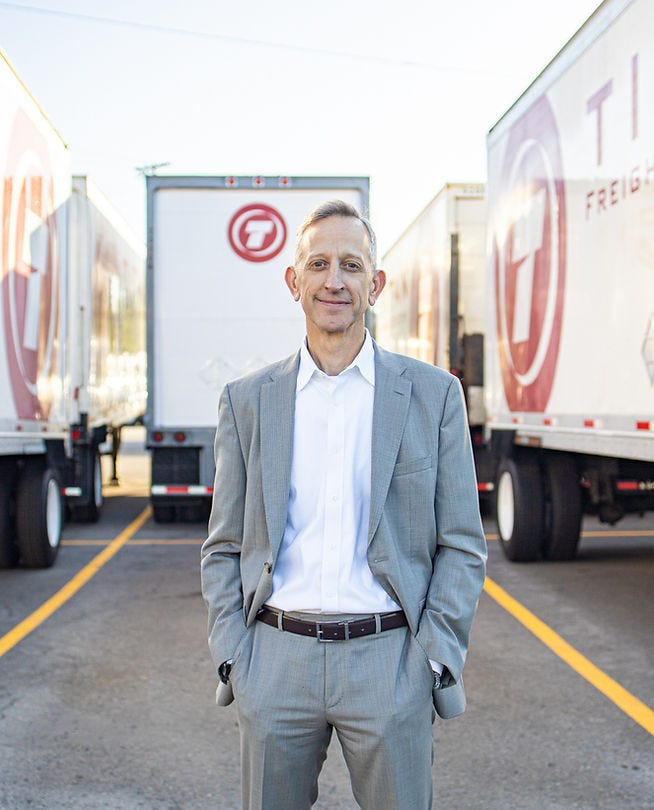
(334,275)
(335,208)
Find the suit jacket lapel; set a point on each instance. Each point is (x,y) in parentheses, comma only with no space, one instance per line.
(276,416)
(391,405)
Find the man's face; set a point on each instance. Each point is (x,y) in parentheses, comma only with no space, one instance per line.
(334,280)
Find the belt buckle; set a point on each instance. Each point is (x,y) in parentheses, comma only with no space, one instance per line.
(323,640)
(320,637)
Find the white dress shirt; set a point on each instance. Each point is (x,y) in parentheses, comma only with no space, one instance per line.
(322,565)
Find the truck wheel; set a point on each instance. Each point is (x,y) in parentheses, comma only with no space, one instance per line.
(8,548)
(38,516)
(519,508)
(90,512)
(563,507)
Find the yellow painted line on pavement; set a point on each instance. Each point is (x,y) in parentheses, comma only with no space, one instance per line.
(142,541)
(73,585)
(182,541)
(624,700)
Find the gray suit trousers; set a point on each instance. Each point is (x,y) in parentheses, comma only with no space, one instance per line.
(291,691)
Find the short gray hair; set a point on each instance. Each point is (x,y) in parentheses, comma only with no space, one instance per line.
(336,208)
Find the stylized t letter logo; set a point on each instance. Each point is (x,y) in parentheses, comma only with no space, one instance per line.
(257,230)
(527,239)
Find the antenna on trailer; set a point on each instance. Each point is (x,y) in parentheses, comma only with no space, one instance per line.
(150,169)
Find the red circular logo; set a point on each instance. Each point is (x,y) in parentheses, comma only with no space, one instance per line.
(29,270)
(529,245)
(257,232)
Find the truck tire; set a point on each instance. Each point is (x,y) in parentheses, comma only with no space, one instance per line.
(519,507)
(90,512)
(563,507)
(39,515)
(8,547)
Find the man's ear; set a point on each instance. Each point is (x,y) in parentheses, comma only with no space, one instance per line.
(290,277)
(376,286)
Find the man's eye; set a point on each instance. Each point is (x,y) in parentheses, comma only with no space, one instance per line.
(352,266)
(317,265)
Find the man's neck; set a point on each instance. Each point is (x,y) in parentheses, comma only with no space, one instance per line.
(333,353)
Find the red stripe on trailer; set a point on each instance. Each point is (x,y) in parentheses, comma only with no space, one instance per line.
(589,423)
(642,425)
(180,489)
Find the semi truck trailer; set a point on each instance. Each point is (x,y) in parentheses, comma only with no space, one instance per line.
(570,323)
(217,308)
(561,300)
(434,304)
(71,332)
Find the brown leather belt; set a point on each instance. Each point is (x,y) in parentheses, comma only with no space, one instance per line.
(333,631)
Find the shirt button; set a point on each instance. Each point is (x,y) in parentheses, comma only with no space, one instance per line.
(334,497)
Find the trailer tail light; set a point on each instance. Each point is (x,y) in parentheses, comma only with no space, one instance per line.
(180,436)
(157,436)
(626,486)
(258,182)
(634,486)
(231,181)
(284,181)
(75,434)
(485,486)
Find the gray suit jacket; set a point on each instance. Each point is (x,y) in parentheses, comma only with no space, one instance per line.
(426,543)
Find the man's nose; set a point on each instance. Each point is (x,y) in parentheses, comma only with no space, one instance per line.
(334,279)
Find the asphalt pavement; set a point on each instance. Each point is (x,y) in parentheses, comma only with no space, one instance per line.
(108,702)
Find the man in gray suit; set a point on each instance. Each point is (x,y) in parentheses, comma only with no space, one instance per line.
(345,554)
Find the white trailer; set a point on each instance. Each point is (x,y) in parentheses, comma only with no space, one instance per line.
(105,340)
(434,304)
(52,324)
(217,307)
(570,337)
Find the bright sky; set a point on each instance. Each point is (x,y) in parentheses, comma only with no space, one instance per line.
(401,91)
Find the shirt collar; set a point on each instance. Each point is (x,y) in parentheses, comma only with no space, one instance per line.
(364,361)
